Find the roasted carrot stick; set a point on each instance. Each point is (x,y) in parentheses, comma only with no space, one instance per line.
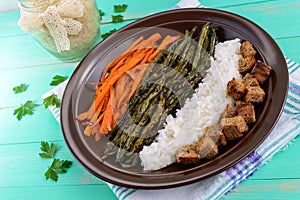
(148,54)
(108,116)
(117,75)
(149,42)
(135,44)
(118,83)
(124,55)
(168,40)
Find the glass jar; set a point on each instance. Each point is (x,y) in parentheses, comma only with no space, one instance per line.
(68,29)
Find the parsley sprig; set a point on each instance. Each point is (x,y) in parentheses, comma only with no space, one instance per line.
(57,166)
(24,109)
(52,100)
(101,13)
(117,18)
(48,150)
(20,88)
(57,79)
(120,8)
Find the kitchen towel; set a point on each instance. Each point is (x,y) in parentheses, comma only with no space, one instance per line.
(286,129)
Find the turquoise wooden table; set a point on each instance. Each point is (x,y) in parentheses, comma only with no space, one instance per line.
(23,60)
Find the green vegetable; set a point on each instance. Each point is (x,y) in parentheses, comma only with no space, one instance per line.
(163,90)
(117,18)
(21,88)
(204,34)
(48,151)
(57,167)
(52,100)
(101,13)
(105,35)
(120,8)
(58,79)
(24,109)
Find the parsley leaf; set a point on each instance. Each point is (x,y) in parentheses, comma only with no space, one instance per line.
(21,88)
(120,8)
(105,35)
(57,167)
(50,173)
(48,150)
(117,18)
(101,13)
(58,79)
(24,109)
(52,100)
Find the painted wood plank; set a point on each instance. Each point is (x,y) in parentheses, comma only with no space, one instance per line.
(135,9)
(8,24)
(61,192)
(32,128)
(33,167)
(27,169)
(37,78)
(280,19)
(267,189)
(24,51)
(290,47)
(17,51)
(226,4)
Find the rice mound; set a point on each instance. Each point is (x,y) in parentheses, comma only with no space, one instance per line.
(203,109)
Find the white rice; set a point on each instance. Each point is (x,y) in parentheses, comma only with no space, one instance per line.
(203,109)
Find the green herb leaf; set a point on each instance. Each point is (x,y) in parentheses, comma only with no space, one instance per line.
(117,18)
(48,150)
(105,35)
(101,13)
(57,167)
(21,88)
(24,109)
(50,173)
(120,8)
(52,100)
(58,79)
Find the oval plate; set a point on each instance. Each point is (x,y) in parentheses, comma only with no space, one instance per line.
(78,97)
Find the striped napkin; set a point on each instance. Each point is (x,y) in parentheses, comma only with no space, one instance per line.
(287,128)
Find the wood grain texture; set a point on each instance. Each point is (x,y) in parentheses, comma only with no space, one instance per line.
(23,60)
(267,189)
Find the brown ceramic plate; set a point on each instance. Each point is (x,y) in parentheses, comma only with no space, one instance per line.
(78,97)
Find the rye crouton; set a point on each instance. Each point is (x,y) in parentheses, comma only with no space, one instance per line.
(247,49)
(261,71)
(246,64)
(187,154)
(216,134)
(236,89)
(255,95)
(206,147)
(234,127)
(229,111)
(250,81)
(246,110)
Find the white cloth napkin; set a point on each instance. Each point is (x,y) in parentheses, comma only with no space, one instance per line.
(287,128)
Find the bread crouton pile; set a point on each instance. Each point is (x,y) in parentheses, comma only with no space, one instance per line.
(234,121)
